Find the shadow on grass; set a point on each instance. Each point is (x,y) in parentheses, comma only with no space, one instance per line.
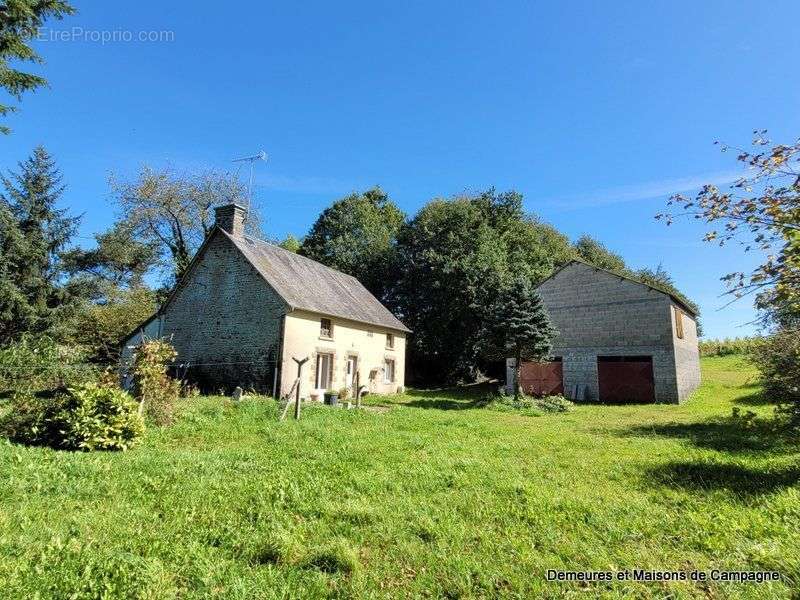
(447,404)
(455,398)
(712,476)
(728,434)
(755,398)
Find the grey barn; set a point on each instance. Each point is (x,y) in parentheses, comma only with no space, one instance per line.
(619,340)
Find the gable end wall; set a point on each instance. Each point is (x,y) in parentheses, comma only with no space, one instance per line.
(226,320)
(599,314)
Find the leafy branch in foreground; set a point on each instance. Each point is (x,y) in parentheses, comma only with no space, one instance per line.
(761,211)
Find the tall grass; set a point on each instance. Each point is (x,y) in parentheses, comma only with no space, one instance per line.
(433,497)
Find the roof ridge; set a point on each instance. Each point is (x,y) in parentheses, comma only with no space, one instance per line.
(333,293)
(293,254)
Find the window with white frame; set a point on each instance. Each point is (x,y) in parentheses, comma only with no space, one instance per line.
(388,371)
(390,340)
(324,371)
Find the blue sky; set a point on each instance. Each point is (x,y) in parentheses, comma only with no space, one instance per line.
(596,112)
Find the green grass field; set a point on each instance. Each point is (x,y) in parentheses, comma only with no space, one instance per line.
(434,497)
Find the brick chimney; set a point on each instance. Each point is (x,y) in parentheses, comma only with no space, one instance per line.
(230,217)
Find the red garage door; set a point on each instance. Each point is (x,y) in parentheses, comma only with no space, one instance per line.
(542,378)
(626,379)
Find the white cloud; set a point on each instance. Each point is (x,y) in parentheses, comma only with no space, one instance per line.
(642,191)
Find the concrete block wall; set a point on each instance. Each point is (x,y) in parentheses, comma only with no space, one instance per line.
(580,370)
(226,320)
(600,314)
(687,355)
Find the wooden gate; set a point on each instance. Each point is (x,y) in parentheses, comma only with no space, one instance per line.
(625,379)
(542,378)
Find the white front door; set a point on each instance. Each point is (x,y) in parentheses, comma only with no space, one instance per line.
(351,372)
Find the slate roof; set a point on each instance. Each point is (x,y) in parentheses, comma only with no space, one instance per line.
(305,284)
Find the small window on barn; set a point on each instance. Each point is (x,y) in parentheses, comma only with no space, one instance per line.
(678,322)
(388,371)
(390,340)
(325,328)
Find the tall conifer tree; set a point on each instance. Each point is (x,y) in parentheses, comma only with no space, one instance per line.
(521,326)
(33,237)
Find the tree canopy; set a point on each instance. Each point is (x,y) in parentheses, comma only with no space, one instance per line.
(595,253)
(119,260)
(175,212)
(454,257)
(356,235)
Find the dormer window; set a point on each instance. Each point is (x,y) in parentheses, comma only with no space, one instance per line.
(325,328)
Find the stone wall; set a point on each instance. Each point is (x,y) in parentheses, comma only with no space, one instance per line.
(367,343)
(225,321)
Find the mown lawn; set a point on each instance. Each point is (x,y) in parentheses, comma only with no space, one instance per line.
(435,497)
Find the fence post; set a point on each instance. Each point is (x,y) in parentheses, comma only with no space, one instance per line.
(300,364)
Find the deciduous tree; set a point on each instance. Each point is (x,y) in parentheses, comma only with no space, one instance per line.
(119,261)
(357,235)
(761,211)
(174,212)
(291,243)
(595,253)
(453,259)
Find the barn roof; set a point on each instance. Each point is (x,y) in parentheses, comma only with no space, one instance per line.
(305,284)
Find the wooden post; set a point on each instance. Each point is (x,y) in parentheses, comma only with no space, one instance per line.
(300,364)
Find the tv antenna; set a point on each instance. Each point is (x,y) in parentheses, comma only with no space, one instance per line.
(252,160)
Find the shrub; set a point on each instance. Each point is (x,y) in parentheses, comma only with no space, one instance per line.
(154,389)
(85,417)
(31,419)
(728,346)
(530,405)
(778,358)
(553,404)
(39,363)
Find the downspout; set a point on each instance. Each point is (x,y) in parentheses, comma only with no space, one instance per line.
(277,383)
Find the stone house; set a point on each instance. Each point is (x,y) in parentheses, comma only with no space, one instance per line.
(619,340)
(246,308)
